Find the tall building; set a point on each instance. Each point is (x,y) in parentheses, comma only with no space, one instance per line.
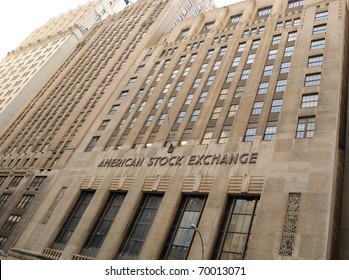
(230,125)
(64,106)
(26,68)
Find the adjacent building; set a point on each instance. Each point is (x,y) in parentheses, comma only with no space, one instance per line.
(230,123)
(26,68)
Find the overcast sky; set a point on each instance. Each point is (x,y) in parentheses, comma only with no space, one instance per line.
(20,17)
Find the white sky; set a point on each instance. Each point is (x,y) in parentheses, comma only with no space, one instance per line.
(20,17)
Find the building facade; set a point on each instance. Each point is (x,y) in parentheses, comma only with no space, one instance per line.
(230,123)
(26,68)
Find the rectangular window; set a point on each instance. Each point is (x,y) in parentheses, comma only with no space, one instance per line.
(236,228)
(279,25)
(315,61)
(270,132)
(245,74)
(239,91)
(181,235)
(5,197)
(15,181)
(104,125)
(232,111)
(289,51)
(295,4)
(236,61)
(263,88)
(317,44)
(285,67)
(257,108)
(305,127)
(312,79)
(196,82)
(318,29)
(235,19)
(11,222)
(241,47)
(207,137)
(140,226)
(251,58)
(103,223)
(209,54)
(210,80)
(276,106)
(25,201)
(92,144)
(276,40)
(280,86)
(180,117)
(72,220)
(321,15)
(149,120)
(264,11)
(292,36)
(223,138)
(216,112)
(222,51)
(3,240)
(310,100)
(223,94)
(230,76)
(195,115)
(255,44)
(272,54)
(268,70)
(249,134)
(203,97)
(2,179)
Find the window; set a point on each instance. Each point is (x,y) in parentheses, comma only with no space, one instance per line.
(315,61)
(216,65)
(285,67)
(230,76)
(189,99)
(72,220)
(223,94)
(203,97)
(276,40)
(103,223)
(236,61)
(310,100)
(263,88)
(250,133)
(15,181)
(295,4)
(11,221)
(276,106)
(245,74)
(184,32)
(140,226)
(233,110)
(123,94)
(268,70)
(312,79)
(209,26)
(25,201)
(255,44)
(181,235)
(317,44)
(318,29)
(203,68)
(241,47)
(216,112)
(92,144)
(4,198)
(104,125)
(223,138)
(149,120)
(305,127)
(270,132)
(321,15)
(288,51)
(235,19)
(292,36)
(278,26)
(236,228)
(272,54)
(207,137)
(210,80)
(162,119)
(209,54)
(251,58)
(239,91)
(2,179)
(180,117)
(264,11)
(195,115)
(3,240)
(280,86)
(222,51)
(196,82)
(257,108)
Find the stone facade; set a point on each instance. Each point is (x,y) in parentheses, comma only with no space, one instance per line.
(230,124)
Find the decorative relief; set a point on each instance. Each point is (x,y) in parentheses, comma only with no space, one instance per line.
(288,235)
